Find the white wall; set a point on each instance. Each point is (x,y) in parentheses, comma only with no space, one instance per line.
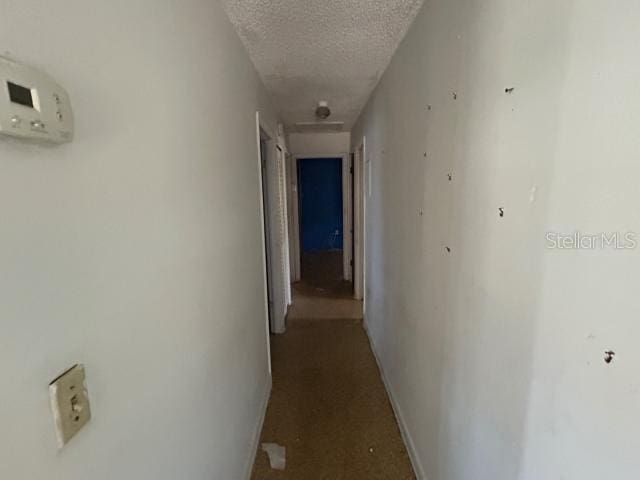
(319,143)
(494,352)
(136,249)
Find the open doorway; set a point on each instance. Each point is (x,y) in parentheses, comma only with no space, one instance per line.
(321,206)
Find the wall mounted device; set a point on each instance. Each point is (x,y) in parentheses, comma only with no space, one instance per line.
(69,403)
(323,111)
(33,106)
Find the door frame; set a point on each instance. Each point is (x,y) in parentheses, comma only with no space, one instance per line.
(347,220)
(292,216)
(273,246)
(261,132)
(281,159)
(362,190)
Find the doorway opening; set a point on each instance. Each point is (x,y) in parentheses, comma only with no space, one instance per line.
(321,206)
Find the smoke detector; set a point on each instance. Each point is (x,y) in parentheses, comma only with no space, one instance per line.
(323,111)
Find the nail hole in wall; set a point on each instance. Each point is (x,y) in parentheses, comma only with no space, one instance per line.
(448,249)
(509,90)
(449,176)
(608,356)
(501,212)
(455,96)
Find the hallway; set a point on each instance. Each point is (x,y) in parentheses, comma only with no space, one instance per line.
(328,406)
(399,239)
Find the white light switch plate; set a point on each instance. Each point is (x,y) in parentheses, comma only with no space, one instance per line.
(69,403)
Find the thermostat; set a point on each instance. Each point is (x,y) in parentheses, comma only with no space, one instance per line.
(33,106)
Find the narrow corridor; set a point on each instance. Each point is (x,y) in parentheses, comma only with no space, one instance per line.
(328,406)
(397,239)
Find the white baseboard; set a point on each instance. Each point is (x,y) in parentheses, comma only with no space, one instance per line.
(258,431)
(404,431)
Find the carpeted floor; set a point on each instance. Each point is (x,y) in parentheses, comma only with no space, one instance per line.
(322,275)
(329,407)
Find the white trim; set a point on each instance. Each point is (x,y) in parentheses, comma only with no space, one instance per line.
(282,187)
(347,218)
(294,217)
(275,229)
(262,239)
(257,432)
(367,188)
(359,224)
(402,424)
(346,215)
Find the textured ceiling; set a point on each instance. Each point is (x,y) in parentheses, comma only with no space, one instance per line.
(311,50)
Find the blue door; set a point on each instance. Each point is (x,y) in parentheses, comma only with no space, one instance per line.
(320,181)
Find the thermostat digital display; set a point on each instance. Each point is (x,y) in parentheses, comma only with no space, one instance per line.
(33,106)
(20,95)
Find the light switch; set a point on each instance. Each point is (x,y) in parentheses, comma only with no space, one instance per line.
(69,403)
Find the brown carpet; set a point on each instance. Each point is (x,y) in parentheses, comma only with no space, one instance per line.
(329,407)
(323,276)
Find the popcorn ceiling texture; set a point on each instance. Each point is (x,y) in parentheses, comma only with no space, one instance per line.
(311,50)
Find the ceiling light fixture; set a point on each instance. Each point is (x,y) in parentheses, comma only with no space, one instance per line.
(323,111)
